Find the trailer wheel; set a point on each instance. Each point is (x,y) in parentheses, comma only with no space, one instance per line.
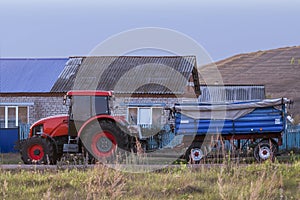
(38,150)
(264,150)
(104,141)
(194,154)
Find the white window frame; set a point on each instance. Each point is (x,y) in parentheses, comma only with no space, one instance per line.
(16,106)
(138,113)
(6,115)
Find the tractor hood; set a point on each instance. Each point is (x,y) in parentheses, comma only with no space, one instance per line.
(52,126)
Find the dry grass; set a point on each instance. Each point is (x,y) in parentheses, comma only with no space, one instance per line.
(261,185)
(229,181)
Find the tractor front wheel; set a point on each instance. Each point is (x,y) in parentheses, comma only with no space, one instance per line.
(38,150)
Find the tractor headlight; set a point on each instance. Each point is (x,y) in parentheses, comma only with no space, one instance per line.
(37,130)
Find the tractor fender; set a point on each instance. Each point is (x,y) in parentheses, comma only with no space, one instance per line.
(94,119)
(271,139)
(52,140)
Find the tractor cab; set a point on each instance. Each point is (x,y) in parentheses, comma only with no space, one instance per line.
(84,105)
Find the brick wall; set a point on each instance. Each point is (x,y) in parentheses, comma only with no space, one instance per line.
(121,104)
(43,106)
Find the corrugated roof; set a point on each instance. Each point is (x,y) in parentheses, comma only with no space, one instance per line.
(128,74)
(229,93)
(67,76)
(24,75)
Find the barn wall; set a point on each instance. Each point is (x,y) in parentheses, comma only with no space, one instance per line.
(42,106)
(121,104)
(45,106)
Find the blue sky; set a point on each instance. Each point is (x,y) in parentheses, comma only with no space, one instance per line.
(34,28)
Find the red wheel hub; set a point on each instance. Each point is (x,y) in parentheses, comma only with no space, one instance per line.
(36,152)
(103,144)
(265,152)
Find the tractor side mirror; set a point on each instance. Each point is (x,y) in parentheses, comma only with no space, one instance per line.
(65,100)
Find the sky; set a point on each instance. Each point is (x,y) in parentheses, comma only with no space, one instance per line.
(63,28)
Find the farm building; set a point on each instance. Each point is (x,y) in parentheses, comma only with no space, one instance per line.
(143,85)
(32,89)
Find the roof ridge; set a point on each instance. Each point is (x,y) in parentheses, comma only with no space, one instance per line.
(133,56)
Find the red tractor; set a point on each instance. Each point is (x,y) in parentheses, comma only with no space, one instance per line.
(89,128)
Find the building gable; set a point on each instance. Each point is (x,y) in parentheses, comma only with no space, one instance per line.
(130,74)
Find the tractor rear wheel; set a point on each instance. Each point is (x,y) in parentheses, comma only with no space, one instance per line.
(38,150)
(105,142)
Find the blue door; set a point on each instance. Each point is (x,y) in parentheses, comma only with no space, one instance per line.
(8,138)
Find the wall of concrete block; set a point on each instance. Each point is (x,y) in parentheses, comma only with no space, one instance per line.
(39,106)
(121,104)
(45,106)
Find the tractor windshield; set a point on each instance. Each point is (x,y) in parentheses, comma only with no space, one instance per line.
(85,107)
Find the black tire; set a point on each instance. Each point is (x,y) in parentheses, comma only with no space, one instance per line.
(264,150)
(105,141)
(38,150)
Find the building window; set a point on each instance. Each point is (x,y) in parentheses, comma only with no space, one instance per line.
(23,115)
(145,116)
(2,117)
(13,116)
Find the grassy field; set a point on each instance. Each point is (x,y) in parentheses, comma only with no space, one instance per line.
(230,181)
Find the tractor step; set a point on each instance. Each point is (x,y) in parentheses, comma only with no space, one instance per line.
(70,148)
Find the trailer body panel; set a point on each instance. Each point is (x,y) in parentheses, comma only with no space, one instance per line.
(261,120)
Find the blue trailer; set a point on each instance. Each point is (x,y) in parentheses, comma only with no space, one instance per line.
(204,124)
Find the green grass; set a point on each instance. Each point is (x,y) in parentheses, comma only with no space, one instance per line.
(231,181)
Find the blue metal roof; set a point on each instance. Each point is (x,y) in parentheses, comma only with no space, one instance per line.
(23,75)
